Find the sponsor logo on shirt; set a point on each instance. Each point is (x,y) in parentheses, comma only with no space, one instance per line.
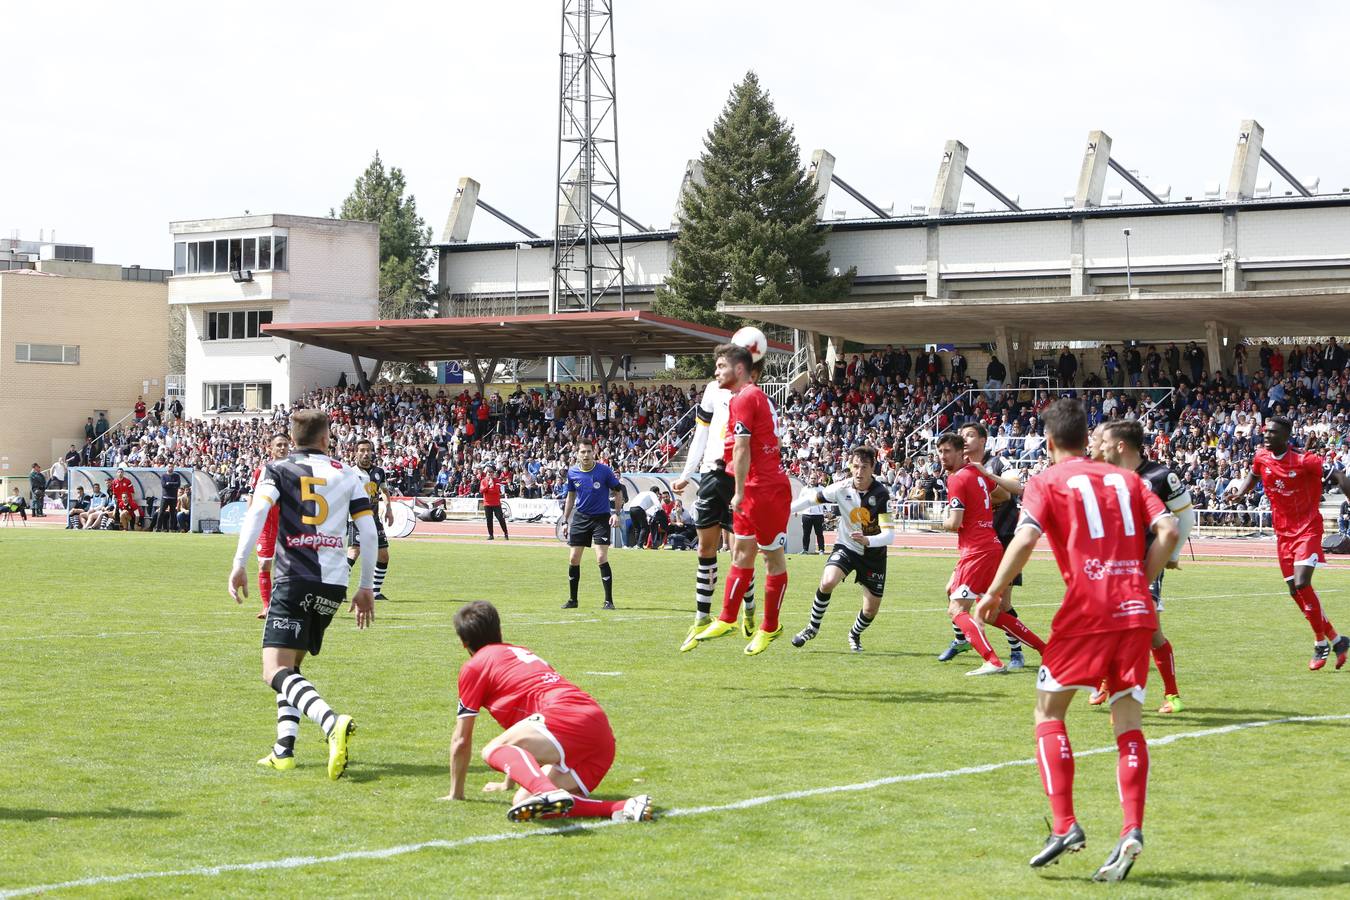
(1132,608)
(1097,569)
(313,541)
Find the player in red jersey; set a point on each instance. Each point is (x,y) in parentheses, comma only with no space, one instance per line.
(1096,517)
(277,449)
(557,744)
(761,504)
(970,513)
(1293,483)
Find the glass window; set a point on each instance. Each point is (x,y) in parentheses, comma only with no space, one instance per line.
(236,254)
(210,326)
(265,395)
(206,256)
(250,253)
(252,323)
(264,317)
(21,353)
(180,258)
(47,353)
(72,354)
(222,255)
(265,252)
(279,252)
(237,325)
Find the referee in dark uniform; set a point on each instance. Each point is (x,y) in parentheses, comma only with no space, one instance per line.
(591,512)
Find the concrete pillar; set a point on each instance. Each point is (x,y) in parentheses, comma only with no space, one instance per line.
(811,341)
(1246,159)
(834,351)
(693,175)
(1079,282)
(461,212)
(820,173)
(947,191)
(1220,340)
(1092,177)
(933,286)
(1228,256)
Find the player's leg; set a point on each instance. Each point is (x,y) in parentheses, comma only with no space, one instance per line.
(381,571)
(1016,630)
(836,568)
(606,573)
(521,753)
(775,587)
(282,755)
(1163,657)
(705,582)
(871,605)
(264,583)
(575,539)
(738,580)
(1015,659)
(958,607)
(1126,677)
(1054,762)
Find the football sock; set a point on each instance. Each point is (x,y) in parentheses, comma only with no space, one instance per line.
(265,587)
(288,726)
(957,634)
(573,580)
(818,608)
(351,561)
(860,624)
(520,766)
(738,580)
(1307,601)
(749,600)
(1014,645)
(1328,630)
(301,694)
(1132,778)
(775,586)
(1054,756)
(705,582)
(381,570)
(1167,667)
(1018,631)
(586,808)
(607,579)
(975,635)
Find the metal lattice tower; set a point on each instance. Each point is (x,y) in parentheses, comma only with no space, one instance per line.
(588,233)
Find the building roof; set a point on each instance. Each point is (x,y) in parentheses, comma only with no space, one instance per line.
(608,333)
(30,272)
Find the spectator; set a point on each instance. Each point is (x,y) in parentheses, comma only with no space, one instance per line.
(16,504)
(37,486)
(139,409)
(640,509)
(1068,367)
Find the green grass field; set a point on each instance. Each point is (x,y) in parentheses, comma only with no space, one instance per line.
(133,713)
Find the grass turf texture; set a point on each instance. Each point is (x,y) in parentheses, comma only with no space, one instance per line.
(134,714)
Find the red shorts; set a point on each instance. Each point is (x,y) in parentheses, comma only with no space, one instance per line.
(1303,549)
(585,742)
(267,541)
(764,514)
(974,573)
(1085,661)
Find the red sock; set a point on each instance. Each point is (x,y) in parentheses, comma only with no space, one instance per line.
(1132,778)
(586,808)
(775,586)
(1328,630)
(1018,629)
(521,767)
(975,634)
(738,580)
(1307,601)
(1167,667)
(1055,761)
(265,586)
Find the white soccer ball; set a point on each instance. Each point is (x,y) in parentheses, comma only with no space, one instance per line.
(752,339)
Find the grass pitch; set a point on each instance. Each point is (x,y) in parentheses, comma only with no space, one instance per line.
(133,713)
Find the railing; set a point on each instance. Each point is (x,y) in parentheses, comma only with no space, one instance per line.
(780,370)
(676,435)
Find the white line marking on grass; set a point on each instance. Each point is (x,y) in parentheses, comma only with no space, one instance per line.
(603,673)
(296,862)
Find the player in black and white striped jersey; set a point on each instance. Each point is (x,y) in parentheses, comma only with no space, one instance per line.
(315,497)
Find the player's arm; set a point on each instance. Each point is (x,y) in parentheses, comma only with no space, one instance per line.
(1015,558)
(363,601)
(809,497)
(264,496)
(1166,532)
(956,514)
(1340,479)
(615,505)
(383,492)
(697,445)
(740,467)
(1008,483)
(461,751)
(886,536)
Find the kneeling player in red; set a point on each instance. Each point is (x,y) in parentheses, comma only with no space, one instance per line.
(1096,517)
(557,744)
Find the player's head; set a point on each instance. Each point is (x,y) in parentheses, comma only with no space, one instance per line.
(478,625)
(309,429)
(975,435)
(1122,443)
(733,366)
(365,453)
(585,452)
(1066,428)
(279,445)
(1095,442)
(862,460)
(1278,430)
(952,451)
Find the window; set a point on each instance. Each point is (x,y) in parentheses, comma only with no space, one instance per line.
(265,252)
(237,324)
(237,395)
(250,253)
(180,252)
(236,254)
(206,256)
(64,354)
(279,252)
(257,254)
(222,255)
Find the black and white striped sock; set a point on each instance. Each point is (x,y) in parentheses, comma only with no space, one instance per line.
(958,634)
(705,583)
(288,726)
(818,607)
(381,570)
(302,695)
(749,600)
(860,624)
(1014,645)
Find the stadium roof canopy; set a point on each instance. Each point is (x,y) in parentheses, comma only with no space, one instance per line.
(488,339)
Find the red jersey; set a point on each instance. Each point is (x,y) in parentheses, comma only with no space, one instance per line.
(969,490)
(491,490)
(273,511)
(119,488)
(513,684)
(1097,517)
(1293,482)
(752,414)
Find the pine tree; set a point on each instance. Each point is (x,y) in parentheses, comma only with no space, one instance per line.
(750,233)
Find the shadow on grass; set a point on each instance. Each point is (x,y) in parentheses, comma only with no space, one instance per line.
(1310,878)
(375,771)
(111,812)
(869,696)
(1213,715)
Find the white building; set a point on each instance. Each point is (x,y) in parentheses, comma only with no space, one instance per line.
(235,275)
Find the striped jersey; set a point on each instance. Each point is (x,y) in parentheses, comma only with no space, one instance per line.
(315,497)
(713,411)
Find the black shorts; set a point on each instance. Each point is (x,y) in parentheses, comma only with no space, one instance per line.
(381,539)
(585,530)
(868,571)
(299,614)
(1005,540)
(713,506)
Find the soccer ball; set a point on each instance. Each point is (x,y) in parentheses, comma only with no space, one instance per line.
(752,339)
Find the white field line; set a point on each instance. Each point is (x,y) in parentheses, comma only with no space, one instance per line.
(296,862)
(444,623)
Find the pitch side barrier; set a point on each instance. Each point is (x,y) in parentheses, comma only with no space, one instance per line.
(636,482)
(205,494)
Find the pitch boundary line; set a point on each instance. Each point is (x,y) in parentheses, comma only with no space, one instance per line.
(296,862)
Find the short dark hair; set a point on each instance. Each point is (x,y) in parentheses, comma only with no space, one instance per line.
(1065,423)
(366,441)
(952,439)
(1127,430)
(977,427)
(279,434)
(307,425)
(590,442)
(1283,421)
(865,453)
(735,353)
(478,625)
